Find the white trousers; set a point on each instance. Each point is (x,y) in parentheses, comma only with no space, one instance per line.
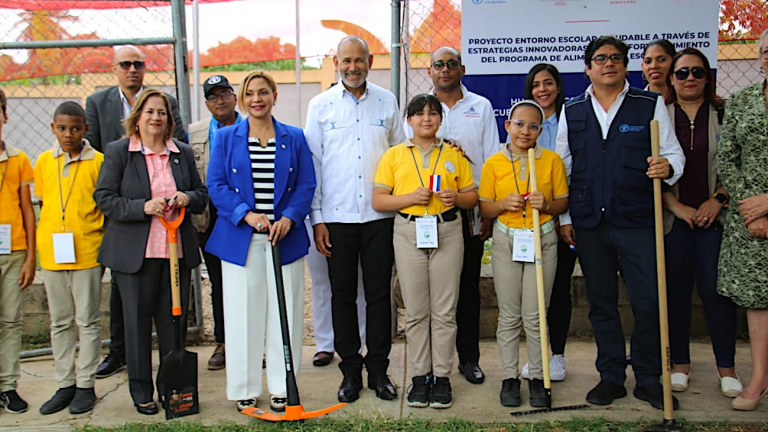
(321,298)
(252,321)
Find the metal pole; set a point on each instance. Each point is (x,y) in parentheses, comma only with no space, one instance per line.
(196,60)
(84,43)
(298,64)
(182,67)
(395,53)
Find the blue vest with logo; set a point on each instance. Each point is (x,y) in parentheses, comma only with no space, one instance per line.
(608,176)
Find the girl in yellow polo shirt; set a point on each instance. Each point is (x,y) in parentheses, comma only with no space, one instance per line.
(425,180)
(505,195)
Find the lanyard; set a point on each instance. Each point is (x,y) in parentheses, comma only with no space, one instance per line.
(62,201)
(426,207)
(528,181)
(7,161)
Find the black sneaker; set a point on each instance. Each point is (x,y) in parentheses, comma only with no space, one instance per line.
(60,400)
(654,395)
(85,399)
(12,402)
(538,394)
(418,396)
(110,366)
(441,393)
(605,392)
(510,393)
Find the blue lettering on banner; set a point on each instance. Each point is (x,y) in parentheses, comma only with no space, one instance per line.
(624,128)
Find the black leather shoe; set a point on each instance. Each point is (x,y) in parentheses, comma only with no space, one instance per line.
(322,358)
(605,392)
(510,393)
(60,400)
(472,372)
(85,399)
(538,394)
(110,366)
(349,390)
(383,387)
(654,395)
(149,408)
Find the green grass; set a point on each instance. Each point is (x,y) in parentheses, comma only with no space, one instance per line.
(381,424)
(41,339)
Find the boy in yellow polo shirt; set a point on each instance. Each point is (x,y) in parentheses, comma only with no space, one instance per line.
(426,181)
(68,239)
(17,260)
(505,195)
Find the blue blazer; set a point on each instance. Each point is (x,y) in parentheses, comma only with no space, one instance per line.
(230,185)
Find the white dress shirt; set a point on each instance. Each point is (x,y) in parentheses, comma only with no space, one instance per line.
(471,124)
(669,146)
(347,137)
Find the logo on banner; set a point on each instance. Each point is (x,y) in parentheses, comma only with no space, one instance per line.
(471,113)
(624,128)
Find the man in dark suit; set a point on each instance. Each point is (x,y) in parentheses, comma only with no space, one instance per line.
(105,112)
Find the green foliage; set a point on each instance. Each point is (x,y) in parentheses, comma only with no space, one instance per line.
(41,339)
(50,80)
(274,65)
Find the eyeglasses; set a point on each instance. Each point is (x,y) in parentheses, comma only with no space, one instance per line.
(600,59)
(533,126)
(224,96)
(452,65)
(697,71)
(126,65)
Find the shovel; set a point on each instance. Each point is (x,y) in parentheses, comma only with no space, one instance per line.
(542,303)
(179,367)
(294,411)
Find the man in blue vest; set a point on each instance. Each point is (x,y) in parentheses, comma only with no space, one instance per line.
(604,139)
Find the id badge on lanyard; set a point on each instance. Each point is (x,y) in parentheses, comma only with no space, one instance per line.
(522,246)
(64,248)
(5,239)
(426,232)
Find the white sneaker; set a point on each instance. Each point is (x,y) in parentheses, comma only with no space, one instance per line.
(731,387)
(246,403)
(557,368)
(679,382)
(526,374)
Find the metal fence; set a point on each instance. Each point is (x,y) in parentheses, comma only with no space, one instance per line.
(430,24)
(50,69)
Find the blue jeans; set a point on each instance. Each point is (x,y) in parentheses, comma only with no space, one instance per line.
(692,257)
(600,250)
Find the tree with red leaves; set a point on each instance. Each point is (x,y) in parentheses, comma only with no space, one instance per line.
(742,19)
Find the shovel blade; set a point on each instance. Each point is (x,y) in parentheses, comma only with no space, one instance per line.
(179,377)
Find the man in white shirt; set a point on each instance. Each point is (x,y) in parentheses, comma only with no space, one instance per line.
(604,140)
(469,121)
(348,129)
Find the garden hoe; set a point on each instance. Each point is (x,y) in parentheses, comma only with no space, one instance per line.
(542,304)
(179,367)
(668,424)
(294,411)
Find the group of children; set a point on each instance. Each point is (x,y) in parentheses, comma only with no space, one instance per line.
(68,237)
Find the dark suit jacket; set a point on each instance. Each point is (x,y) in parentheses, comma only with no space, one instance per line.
(121,191)
(104,115)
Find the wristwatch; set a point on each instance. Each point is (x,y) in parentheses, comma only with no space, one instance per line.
(720,198)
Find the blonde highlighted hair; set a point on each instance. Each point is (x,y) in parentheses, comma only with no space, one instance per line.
(132,121)
(244,84)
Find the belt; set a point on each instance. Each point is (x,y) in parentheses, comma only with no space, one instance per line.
(546,228)
(446,216)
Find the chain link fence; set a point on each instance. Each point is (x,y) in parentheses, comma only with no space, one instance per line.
(430,24)
(37,80)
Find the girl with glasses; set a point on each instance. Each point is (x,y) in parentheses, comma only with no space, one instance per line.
(693,223)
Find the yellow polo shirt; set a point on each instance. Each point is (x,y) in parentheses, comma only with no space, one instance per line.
(498,180)
(82,217)
(398,172)
(15,173)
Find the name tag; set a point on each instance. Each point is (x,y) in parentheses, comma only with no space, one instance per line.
(64,248)
(522,249)
(426,232)
(5,239)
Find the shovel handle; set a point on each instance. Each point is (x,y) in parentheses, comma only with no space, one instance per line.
(173,251)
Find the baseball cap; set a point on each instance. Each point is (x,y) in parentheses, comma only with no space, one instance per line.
(215,81)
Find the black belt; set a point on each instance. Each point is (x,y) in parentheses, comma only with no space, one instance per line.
(446,216)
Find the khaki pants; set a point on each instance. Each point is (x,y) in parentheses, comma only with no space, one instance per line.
(429,279)
(74,300)
(515,284)
(10,318)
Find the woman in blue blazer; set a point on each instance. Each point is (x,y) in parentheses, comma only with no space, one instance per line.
(261,180)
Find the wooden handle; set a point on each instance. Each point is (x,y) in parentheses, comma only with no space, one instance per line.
(661,277)
(173,251)
(542,300)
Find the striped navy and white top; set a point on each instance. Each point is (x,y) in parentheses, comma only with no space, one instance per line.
(263,171)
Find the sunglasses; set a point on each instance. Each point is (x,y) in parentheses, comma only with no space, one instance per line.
(601,59)
(697,71)
(126,65)
(439,65)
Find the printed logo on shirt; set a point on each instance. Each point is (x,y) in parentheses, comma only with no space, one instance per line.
(471,113)
(624,128)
